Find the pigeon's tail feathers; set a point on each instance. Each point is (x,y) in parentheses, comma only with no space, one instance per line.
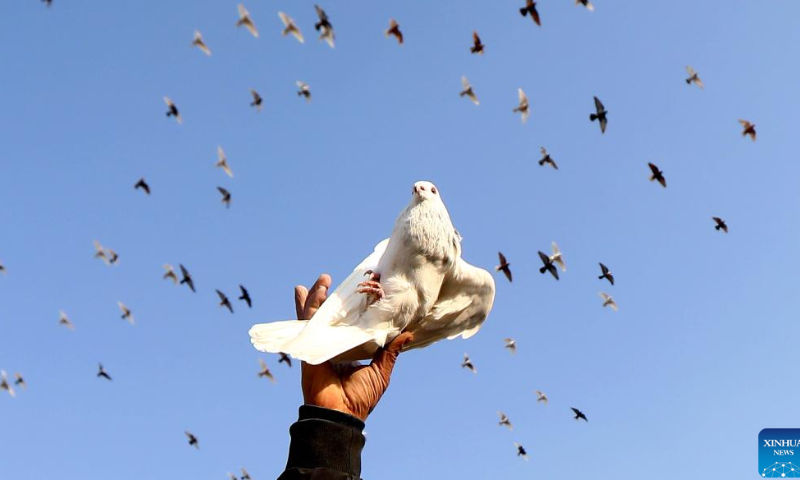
(542,270)
(592,117)
(270,337)
(717,227)
(325,344)
(523,11)
(688,81)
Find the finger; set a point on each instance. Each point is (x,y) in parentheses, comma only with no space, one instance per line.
(385,358)
(317,295)
(300,296)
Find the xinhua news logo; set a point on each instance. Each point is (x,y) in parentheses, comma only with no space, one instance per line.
(779,453)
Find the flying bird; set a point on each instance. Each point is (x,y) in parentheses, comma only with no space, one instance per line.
(226,197)
(557,257)
(170,273)
(467,363)
(657,175)
(468,91)
(477,46)
(245,296)
(608,301)
(520,449)
(245,475)
(112,256)
(224,301)
(143,185)
(101,253)
(693,77)
(585,3)
(246,21)
(324,26)
(264,372)
(748,129)
(64,320)
(579,414)
(19,381)
(4,385)
(504,421)
(409,289)
(257,100)
(232,476)
(720,224)
(541,397)
(547,159)
(523,107)
(3,269)
(49,3)
(530,8)
(192,440)
(199,43)
(291,27)
(172,110)
(504,266)
(511,345)
(126,313)
(285,359)
(101,372)
(222,162)
(394,29)
(600,115)
(186,278)
(606,273)
(548,265)
(303,90)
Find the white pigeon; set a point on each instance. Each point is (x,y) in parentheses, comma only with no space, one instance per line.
(418,282)
(468,91)
(222,162)
(199,43)
(608,301)
(246,21)
(4,385)
(541,397)
(511,345)
(291,27)
(504,420)
(524,107)
(556,257)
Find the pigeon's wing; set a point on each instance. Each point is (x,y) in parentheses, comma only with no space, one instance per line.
(465,83)
(598,105)
(523,99)
(285,19)
(604,296)
(170,104)
(317,340)
(475,38)
(301,85)
(464,301)
(544,152)
(699,82)
(690,71)
(320,13)
(502,258)
(544,257)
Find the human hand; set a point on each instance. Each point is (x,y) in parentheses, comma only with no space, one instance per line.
(347,387)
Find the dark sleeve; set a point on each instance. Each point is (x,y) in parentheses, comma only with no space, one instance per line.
(326,445)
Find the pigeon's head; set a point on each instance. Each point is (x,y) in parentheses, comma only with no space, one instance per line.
(425,191)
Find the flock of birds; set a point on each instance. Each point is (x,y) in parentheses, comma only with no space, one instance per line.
(551,263)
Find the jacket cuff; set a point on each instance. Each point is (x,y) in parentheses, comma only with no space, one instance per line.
(328,439)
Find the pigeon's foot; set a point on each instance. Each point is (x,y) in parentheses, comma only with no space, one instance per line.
(371,288)
(373,276)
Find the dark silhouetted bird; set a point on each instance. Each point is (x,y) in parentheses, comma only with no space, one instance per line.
(606,274)
(504,266)
(394,29)
(693,77)
(477,46)
(511,345)
(530,8)
(468,91)
(579,414)
(548,265)
(101,372)
(657,175)
(504,421)
(186,278)
(467,363)
(19,381)
(547,159)
(264,372)
(303,90)
(246,21)
(143,185)
(245,475)
(285,359)
(172,110)
(192,440)
(601,114)
(324,26)
(585,3)
(720,224)
(224,302)
(521,451)
(226,197)
(748,129)
(245,296)
(257,100)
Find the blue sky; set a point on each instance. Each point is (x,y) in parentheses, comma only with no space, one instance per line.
(679,381)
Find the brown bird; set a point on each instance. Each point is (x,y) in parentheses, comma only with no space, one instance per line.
(657,175)
(504,266)
(224,301)
(264,372)
(579,414)
(720,224)
(170,273)
(547,159)
(606,274)
(504,421)
(192,440)
(548,265)
(257,100)
(199,43)
(303,90)
(226,197)
(585,3)
(693,77)
(285,359)
(172,110)
(530,8)
(187,278)
(748,129)
(477,46)
(143,185)
(101,372)
(600,114)
(222,162)
(245,296)
(394,29)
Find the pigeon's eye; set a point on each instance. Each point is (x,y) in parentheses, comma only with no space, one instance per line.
(433,190)
(422,188)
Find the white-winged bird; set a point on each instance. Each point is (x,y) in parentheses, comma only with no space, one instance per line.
(303,90)
(245,296)
(101,372)
(186,278)
(748,129)
(477,46)
(226,196)
(600,114)
(143,185)
(394,29)
(324,26)
(720,224)
(224,301)
(557,257)
(523,108)
(467,363)
(548,265)
(657,175)
(504,266)
(257,100)
(578,414)
(693,77)
(4,385)
(126,313)
(530,8)
(511,345)
(547,159)
(541,397)
(608,301)
(222,162)
(199,43)
(468,91)
(521,451)
(63,319)
(264,372)
(504,421)
(246,21)
(192,440)
(585,3)
(606,274)
(170,273)
(290,27)
(172,110)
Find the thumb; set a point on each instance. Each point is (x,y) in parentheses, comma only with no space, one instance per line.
(385,358)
